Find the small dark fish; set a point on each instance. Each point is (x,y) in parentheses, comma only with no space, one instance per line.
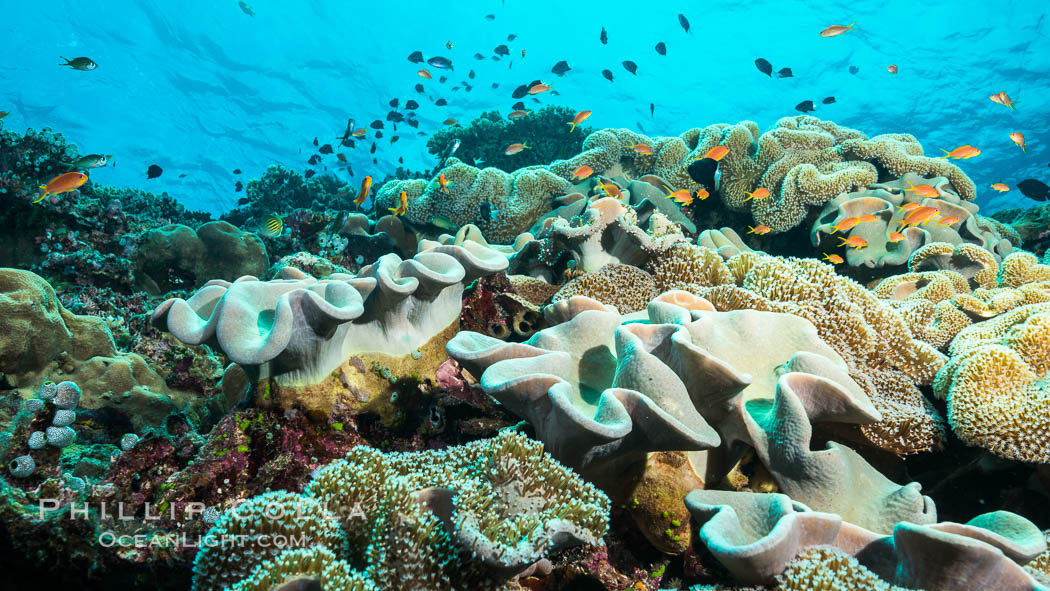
(494,58)
(560,68)
(518,106)
(316,143)
(309,173)
(828,100)
(416,57)
(501,50)
(401,160)
(314,160)
(243,201)
(478,56)
(661,48)
(652,108)
(490,17)
(377,124)
(785,73)
(440,103)
(630,67)
(411,105)
(379,135)
(495,85)
(703,172)
(375,161)
(604,37)
(393,103)
(154,171)
(372,150)
(764,66)
(326,149)
(639,126)
(84,64)
(393,139)
(347,143)
(441,62)
(181,176)
(511,37)
(467,87)
(684,22)
(395,116)
(246,8)
(487,211)
(236,171)
(608,75)
(853,69)
(419,88)
(1034,189)
(805,107)
(471,75)
(238,187)
(413,123)
(520,92)
(443,79)
(455,88)
(421,133)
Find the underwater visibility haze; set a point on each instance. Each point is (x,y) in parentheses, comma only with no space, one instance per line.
(507,295)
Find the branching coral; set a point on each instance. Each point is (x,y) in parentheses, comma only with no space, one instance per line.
(995,384)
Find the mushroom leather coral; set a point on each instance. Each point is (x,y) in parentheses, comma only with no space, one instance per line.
(300,329)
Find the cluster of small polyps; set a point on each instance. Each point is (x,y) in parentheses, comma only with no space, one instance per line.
(64,397)
(468,517)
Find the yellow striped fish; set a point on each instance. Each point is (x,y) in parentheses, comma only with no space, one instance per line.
(272,226)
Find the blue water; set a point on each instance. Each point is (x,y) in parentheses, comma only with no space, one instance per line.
(200,88)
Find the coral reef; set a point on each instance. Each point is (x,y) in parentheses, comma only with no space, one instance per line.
(178,257)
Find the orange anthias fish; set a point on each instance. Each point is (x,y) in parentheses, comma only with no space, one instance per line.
(946,221)
(834,259)
(683,196)
(867,218)
(702,194)
(611,189)
(1002,188)
(450,121)
(425,74)
(896,236)
(846,224)
(514,149)
(717,153)
(923,190)
(854,241)
(836,30)
(892,68)
(908,206)
(541,87)
(4,114)
(760,230)
(919,216)
(961,153)
(582,172)
(578,119)
(341,157)
(366,189)
(518,114)
(1018,139)
(759,193)
(444,183)
(402,205)
(1003,99)
(642,148)
(62,183)
(360,132)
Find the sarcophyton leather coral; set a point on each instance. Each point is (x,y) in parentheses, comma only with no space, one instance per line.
(996,386)
(927,301)
(884,201)
(296,331)
(602,391)
(757,536)
(514,200)
(883,355)
(470,517)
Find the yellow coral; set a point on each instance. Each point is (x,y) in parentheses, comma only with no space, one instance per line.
(972,261)
(995,384)
(684,264)
(822,568)
(626,287)
(1021,268)
(901,153)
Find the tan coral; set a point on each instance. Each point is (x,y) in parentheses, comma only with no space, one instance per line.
(926,301)
(535,291)
(685,264)
(901,153)
(824,568)
(995,384)
(876,341)
(1022,268)
(973,262)
(627,288)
